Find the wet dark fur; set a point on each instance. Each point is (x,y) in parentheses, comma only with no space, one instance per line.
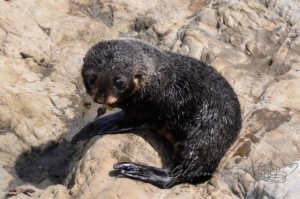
(180,94)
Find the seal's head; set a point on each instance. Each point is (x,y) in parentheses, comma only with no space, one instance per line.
(112,74)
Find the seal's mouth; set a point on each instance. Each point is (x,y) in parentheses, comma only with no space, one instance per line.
(110,103)
(97,99)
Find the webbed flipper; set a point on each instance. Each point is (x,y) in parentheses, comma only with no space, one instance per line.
(108,124)
(157,176)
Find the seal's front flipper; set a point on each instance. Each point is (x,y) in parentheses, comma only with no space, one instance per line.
(156,176)
(109,124)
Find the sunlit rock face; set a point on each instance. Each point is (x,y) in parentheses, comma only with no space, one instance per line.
(254,44)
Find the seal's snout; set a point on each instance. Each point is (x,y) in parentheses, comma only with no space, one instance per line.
(98,100)
(110,102)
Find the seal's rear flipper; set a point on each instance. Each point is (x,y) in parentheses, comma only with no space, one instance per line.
(109,124)
(156,176)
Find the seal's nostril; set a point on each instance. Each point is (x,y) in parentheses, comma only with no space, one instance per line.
(97,100)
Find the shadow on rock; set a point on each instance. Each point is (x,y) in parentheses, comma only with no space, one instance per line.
(54,161)
(49,161)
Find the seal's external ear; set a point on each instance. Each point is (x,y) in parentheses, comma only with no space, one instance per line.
(138,80)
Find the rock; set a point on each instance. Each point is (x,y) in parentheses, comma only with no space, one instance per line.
(289,99)
(286,178)
(92,170)
(253,44)
(51,192)
(258,156)
(208,16)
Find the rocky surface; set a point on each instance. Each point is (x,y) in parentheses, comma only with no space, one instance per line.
(255,44)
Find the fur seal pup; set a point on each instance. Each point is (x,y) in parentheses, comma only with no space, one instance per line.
(184,99)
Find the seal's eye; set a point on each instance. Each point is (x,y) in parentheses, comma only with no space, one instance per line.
(90,81)
(119,84)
